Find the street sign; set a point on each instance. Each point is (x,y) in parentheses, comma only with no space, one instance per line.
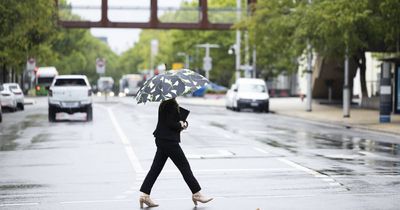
(100,65)
(154,47)
(30,64)
(207,63)
(176,66)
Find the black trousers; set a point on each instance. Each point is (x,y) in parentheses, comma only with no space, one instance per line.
(174,151)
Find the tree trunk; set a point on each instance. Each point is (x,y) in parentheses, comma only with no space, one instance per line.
(363,69)
(361,64)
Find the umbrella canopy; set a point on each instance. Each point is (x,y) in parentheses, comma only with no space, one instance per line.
(169,85)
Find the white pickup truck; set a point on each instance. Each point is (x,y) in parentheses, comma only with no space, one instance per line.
(70,94)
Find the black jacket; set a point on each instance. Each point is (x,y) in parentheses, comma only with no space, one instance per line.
(168,126)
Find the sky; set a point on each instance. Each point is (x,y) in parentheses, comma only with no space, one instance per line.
(119,40)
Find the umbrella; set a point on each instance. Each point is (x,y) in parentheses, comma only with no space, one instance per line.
(170,84)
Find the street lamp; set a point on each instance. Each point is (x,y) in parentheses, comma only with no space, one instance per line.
(186,58)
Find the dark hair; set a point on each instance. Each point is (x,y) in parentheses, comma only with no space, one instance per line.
(171,101)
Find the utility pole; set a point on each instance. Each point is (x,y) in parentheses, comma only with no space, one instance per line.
(186,58)
(254,62)
(309,75)
(237,45)
(247,55)
(346,88)
(153,53)
(207,60)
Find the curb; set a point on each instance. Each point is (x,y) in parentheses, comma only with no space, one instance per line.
(29,102)
(341,125)
(333,124)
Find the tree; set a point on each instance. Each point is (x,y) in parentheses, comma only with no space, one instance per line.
(330,26)
(26,27)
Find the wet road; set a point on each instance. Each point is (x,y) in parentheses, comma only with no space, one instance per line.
(245,160)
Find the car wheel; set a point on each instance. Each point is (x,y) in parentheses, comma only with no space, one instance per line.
(1,117)
(267,108)
(89,113)
(52,114)
(21,106)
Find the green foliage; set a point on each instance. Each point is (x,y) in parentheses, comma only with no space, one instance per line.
(282,28)
(25,29)
(29,29)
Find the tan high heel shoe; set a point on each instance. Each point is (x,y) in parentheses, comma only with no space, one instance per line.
(145,199)
(198,197)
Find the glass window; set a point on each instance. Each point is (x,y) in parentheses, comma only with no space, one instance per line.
(252,88)
(45,80)
(70,82)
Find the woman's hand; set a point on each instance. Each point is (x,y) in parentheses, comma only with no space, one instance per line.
(184,124)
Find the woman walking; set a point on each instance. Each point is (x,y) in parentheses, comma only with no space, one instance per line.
(167,136)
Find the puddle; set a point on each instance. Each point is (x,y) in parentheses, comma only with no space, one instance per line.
(382,157)
(10,134)
(337,141)
(43,137)
(277,144)
(219,125)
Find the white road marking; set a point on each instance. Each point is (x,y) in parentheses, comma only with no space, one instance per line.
(300,167)
(220,154)
(260,150)
(120,197)
(125,141)
(325,178)
(225,170)
(18,204)
(95,201)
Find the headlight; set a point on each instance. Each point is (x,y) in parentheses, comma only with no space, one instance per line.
(126,90)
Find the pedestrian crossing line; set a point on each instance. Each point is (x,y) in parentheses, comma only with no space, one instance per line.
(260,150)
(331,182)
(18,204)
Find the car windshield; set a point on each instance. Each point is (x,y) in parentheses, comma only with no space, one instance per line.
(70,82)
(257,88)
(45,80)
(13,87)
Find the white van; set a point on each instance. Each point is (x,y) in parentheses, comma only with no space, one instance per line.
(248,93)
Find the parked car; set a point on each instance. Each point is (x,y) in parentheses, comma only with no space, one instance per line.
(210,88)
(19,95)
(8,99)
(248,93)
(70,94)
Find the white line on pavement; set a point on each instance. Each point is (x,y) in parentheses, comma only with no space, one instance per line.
(260,150)
(300,167)
(18,204)
(128,147)
(224,170)
(323,177)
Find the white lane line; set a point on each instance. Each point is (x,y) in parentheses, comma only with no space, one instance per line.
(18,204)
(235,170)
(323,177)
(300,167)
(220,154)
(95,201)
(260,150)
(128,147)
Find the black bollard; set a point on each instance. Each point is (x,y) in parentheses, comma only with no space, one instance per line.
(385,107)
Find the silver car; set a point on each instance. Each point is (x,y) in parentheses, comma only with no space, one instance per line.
(19,95)
(7,99)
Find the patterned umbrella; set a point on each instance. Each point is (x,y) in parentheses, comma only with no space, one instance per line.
(170,84)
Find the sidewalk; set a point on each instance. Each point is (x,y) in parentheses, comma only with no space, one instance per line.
(294,107)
